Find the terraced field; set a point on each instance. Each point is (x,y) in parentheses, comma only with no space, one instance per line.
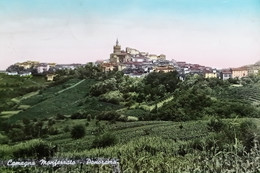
(126,131)
(249,93)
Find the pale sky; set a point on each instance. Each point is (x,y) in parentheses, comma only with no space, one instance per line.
(217,33)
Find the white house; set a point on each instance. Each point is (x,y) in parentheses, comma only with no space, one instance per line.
(43,67)
(12,73)
(25,74)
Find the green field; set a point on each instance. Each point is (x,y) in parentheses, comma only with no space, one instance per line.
(7,81)
(142,146)
(64,99)
(130,130)
(13,89)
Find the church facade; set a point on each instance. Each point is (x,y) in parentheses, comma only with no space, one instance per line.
(118,55)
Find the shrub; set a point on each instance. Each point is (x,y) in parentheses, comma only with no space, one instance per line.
(6,152)
(103,87)
(216,125)
(78,131)
(66,129)
(78,116)
(122,118)
(140,113)
(3,139)
(16,134)
(51,122)
(248,132)
(34,149)
(53,131)
(108,115)
(60,117)
(114,97)
(104,140)
(89,117)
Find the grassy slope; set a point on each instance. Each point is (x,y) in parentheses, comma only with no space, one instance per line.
(50,102)
(65,99)
(11,89)
(13,81)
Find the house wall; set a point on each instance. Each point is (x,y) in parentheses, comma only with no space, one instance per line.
(153,57)
(108,68)
(121,67)
(42,69)
(132,51)
(210,75)
(226,76)
(239,73)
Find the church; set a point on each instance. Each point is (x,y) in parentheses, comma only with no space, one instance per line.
(131,55)
(118,55)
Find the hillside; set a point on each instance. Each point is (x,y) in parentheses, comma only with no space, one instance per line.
(15,88)
(64,99)
(196,124)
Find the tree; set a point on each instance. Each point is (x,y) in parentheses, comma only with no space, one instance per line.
(168,80)
(186,105)
(103,87)
(78,131)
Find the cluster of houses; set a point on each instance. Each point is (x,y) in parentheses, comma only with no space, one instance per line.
(185,68)
(29,68)
(136,64)
(224,74)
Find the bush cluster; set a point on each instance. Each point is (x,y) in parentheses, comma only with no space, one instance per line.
(108,115)
(78,131)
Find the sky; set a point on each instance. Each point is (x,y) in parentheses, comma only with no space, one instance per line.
(216,33)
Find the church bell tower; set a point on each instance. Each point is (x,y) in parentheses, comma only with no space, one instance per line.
(117,47)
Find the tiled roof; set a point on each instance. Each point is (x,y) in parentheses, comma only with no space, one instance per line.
(226,71)
(240,69)
(107,65)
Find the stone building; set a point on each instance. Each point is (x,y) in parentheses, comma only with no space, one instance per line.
(118,55)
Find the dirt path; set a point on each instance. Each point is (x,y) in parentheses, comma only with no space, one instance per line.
(61,91)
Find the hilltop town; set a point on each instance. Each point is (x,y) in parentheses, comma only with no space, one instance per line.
(135,63)
(134,106)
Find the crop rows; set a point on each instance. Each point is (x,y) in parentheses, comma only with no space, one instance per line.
(166,130)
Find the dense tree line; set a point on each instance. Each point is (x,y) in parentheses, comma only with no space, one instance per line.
(120,88)
(29,129)
(196,98)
